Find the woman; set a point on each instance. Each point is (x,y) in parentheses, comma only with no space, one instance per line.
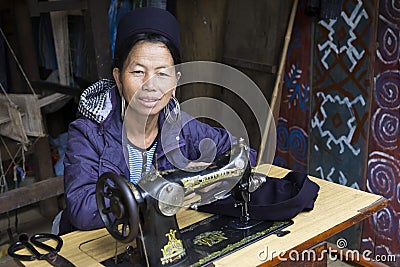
(147,45)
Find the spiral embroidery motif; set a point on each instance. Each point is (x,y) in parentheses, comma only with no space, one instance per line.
(382,174)
(282,135)
(387,90)
(398,194)
(388,51)
(385,128)
(298,143)
(391,9)
(384,223)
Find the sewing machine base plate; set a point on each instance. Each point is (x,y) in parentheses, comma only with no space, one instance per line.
(210,239)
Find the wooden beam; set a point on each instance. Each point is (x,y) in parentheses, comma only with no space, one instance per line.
(55,97)
(30,194)
(35,7)
(55,87)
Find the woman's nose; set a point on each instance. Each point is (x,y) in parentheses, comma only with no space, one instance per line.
(150,83)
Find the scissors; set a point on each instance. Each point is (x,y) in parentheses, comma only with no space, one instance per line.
(51,256)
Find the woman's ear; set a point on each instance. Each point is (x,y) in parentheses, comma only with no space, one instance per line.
(178,76)
(117,80)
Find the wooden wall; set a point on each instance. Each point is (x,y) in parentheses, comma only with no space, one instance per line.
(247,35)
(202,25)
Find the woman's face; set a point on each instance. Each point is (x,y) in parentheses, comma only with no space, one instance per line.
(147,79)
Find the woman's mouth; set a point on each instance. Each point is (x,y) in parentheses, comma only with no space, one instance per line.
(148,102)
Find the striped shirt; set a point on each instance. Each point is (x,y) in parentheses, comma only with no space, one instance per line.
(140,161)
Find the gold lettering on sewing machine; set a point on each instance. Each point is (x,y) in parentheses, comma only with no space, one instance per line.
(173,250)
(199,181)
(209,238)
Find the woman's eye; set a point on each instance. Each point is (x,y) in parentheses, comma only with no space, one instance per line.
(138,72)
(163,74)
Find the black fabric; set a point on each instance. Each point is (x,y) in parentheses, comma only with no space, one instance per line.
(277,199)
(65,225)
(148,20)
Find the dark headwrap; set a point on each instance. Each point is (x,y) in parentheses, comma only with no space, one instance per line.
(148,20)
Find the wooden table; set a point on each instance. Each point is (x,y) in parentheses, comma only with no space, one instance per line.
(336,208)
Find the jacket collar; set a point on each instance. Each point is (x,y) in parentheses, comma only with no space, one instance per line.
(95,101)
(169,136)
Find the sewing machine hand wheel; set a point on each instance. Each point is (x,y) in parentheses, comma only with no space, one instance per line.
(117,206)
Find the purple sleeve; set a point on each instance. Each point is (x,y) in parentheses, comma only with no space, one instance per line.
(219,136)
(80,176)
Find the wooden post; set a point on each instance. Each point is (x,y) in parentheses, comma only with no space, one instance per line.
(25,46)
(44,170)
(276,94)
(98,37)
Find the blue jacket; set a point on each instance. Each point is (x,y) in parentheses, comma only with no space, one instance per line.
(95,146)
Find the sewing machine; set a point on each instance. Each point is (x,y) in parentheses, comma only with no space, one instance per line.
(147,211)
